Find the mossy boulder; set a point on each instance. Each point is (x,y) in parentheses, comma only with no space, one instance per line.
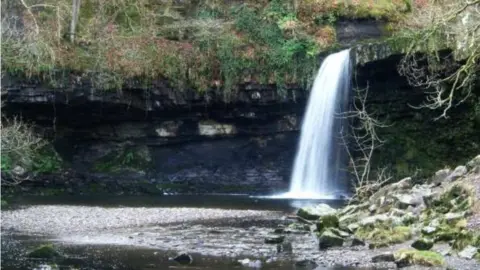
(327,221)
(406,257)
(383,236)
(457,198)
(47,251)
(423,244)
(329,239)
(314,212)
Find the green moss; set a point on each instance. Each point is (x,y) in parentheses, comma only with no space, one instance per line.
(419,257)
(327,221)
(456,198)
(46,251)
(382,236)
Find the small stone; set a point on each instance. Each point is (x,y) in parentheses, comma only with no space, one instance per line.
(183,258)
(385,257)
(329,239)
(422,244)
(275,239)
(372,208)
(468,252)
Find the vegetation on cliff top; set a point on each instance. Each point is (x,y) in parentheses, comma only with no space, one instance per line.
(210,44)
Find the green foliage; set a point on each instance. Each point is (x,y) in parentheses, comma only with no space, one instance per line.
(215,47)
(23,147)
(6,163)
(46,160)
(123,159)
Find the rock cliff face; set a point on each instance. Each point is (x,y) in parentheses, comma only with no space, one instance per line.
(153,139)
(414,142)
(156,140)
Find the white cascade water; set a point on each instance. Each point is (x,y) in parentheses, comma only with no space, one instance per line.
(316,167)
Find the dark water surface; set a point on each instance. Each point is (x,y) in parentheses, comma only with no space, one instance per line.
(14,247)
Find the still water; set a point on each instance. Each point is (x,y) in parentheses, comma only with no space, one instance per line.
(15,246)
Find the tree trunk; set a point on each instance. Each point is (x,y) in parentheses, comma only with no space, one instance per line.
(75,13)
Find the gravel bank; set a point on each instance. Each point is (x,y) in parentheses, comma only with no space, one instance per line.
(59,220)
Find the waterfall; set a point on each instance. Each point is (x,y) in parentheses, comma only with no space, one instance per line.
(316,170)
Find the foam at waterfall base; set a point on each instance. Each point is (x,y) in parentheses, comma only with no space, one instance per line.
(308,196)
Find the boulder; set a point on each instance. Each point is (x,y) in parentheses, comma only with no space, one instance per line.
(468,252)
(371,220)
(352,218)
(443,248)
(353,227)
(339,232)
(403,184)
(183,258)
(384,257)
(357,242)
(474,164)
(329,239)
(405,200)
(316,211)
(407,257)
(274,239)
(440,176)
(422,244)
(327,221)
(353,208)
(457,173)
